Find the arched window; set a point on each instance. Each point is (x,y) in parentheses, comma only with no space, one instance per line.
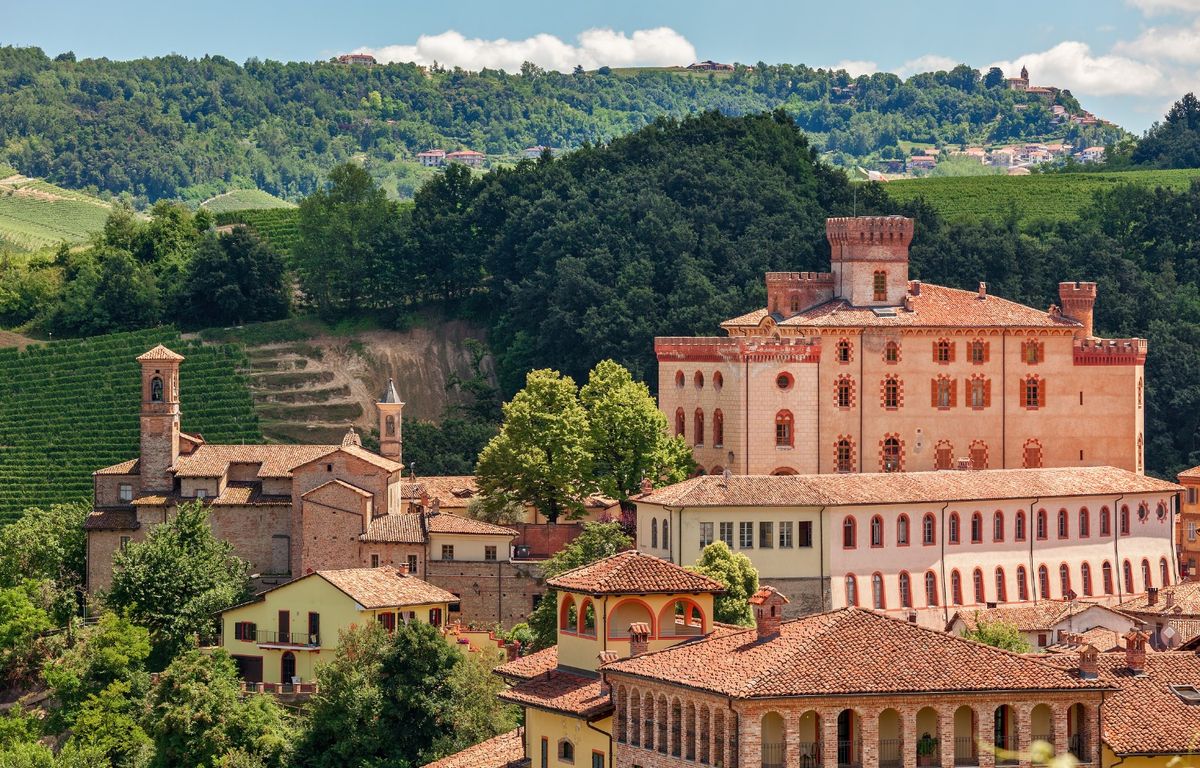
(980,392)
(680,423)
(654,533)
(1106,574)
(389,425)
(879,286)
(1033,351)
(943,351)
(977,351)
(156,389)
(891,392)
(1124,520)
(876,531)
(1085,578)
(1022,584)
(698,424)
(892,459)
(1001,587)
(666,537)
(566,751)
(851,590)
(1105,522)
(931,595)
(1019,526)
(784,380)
(1043,582)
(718,380)
(568,619)
(1032,455)
(952,534)
(902,531)
(679,378)
(844,392)
(1064,581)
(718,429)
(943,455)
(976,528)
(698,380)
(1085,523)
(1143,512)
(1041,524)
(928,529)
(1165,570)
(877,596)
(849,533)
(843,351)
(783,429)
(1128,568)
(997,526)
(845,454)
(905,590)
(955,588)
(1161,511)
(1063,525)
(1147,576)
(1033,391)
(891,352)
(977,578)
(795,304)
(943,392)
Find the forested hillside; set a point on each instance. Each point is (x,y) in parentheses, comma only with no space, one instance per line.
(174,127)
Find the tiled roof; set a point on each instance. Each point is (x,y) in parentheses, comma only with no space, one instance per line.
(503,751)
(1100,638)
(560,691)
(159,352)
(276,460)
(1182,598)
(447,523)
(1193,472)
(111,520)
(385,587)
(633,572)
(249,494)
(399,528)
(1144,716)
(339,484)
(451,491)
(129,467)
(848,651)
(935,306)
(529,667)
(904,487)
(1028,617)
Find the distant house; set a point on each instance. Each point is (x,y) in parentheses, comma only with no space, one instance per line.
(922,163)
(1004,156)
(1046,622)
(466,157)
(892,166)
(710,66)
(364,59)
(533,153)
(432,158)
(1019,83)
(1090,155)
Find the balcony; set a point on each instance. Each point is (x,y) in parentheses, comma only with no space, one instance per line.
(849,753)
(964,751)
(774,755)
(891,753)
(297,639)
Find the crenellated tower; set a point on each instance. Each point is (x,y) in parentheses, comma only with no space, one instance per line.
(1079,303)
(391,441)
(159,417)
(869,256)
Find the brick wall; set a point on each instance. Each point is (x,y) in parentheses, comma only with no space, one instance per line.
(807,595)
(545,539)
(489,592)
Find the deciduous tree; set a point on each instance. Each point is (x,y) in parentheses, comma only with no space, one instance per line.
(740,578)
(596,542)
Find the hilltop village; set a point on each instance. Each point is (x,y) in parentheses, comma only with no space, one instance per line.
(882,526)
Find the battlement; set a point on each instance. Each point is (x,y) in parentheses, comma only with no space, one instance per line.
(1076,290)
(896,231)
(1111,351)
(799,278)
(1079,303)
(789,293)
(717,349)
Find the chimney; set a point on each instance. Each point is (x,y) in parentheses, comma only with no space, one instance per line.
(403,568)
(639,638)
(436,509)
(914,287)
(768,604)
(1135,651)
(1078,301)
(1169,598)
(908,303)
(1089,668)
(647,485)
(512,650)
(604,657)
(982,290)
(1151,595)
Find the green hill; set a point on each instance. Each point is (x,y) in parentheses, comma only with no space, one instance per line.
(35,214)
(1054,196)
(244,199)
(70,407)
(278,226)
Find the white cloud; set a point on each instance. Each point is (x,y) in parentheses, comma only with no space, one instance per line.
(1153,7)
(930,62)
(1071,64)
(659,47)
(1180,44)
(856,67)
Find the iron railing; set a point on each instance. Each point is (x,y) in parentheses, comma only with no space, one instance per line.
(773,755)
(891,753)
(849,753)
(809,753)
(964,751)
(286,638)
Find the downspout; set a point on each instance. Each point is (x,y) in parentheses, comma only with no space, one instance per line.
(945,588)
(746,417)
(1118,571)
(862,353)
(607,735)
(604,623)
(500,587)
(819,438)
(1031,532)
(676,536)
(1004,400)
(821,557)
(1175,498)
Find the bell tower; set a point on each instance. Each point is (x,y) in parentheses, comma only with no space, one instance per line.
(160,417)
(391,443)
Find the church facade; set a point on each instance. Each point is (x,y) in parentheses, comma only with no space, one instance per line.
(861,369)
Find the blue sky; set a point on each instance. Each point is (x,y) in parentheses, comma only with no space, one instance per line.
(1125,59)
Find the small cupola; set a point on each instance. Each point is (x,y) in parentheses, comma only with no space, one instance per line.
(767,604)
(1089,662)
(1135,651)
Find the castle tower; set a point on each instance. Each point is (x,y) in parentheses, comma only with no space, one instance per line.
(1078,301)
(391,443)
(159,417)
(869,256)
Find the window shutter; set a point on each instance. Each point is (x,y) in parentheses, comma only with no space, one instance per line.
(953,392)
(933,392)
(987,393)
(1041,393)
(952,345)
(987,351)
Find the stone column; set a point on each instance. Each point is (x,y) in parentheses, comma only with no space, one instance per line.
(1059,718)
(908,732)
(829,738)
(1024,735)
(985,735)
(946,735)
(749,746)
(791,739)
(869,732)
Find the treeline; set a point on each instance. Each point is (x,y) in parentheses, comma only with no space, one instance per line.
(174,127)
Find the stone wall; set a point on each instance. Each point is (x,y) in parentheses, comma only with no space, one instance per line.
(501,592)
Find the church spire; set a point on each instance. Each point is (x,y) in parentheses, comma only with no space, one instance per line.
(390,414)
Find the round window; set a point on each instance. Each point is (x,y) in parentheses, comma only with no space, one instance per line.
(784,381)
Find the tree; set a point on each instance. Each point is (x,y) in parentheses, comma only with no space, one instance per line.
(1175,142)
(541,454)
(475,711)
(235,278)
(50,546)
(628,433)
(418,699)
(596,542)
(21,623)
(740,578)
(994,78)
(443,233)
(999,634)
(196,716)
(497,513)
(176,580)
(109,722)
(112,651)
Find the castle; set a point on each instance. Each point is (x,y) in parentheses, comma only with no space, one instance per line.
(833,374)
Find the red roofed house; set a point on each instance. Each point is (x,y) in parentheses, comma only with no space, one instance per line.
(467,157)
(1051,622)
(432,158)
(861,369)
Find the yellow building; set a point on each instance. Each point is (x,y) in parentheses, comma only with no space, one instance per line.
(624,605)
(279,636)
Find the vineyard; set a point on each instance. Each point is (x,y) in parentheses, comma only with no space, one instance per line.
(70,407)
(1053,196)
(244,199)
(278,226)
(36,215)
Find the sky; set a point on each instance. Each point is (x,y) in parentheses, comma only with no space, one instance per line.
(1125,60)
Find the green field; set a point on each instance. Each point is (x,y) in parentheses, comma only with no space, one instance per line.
(244,199)
(1053,196)
(278,226)
(70,407)
(36,215)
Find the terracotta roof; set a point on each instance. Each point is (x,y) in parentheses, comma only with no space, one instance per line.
(848,651)
(633,572)
(340,484)
(249,494)
(159,499)
(935,306)
(904,487)
(1193,472)
(129,467)
(450,490)
(1184,598)
(111,520)
(398,528)
(560,691)
(276,460)
(1100,638)
(159,352)
(1041,616)
(385,587)
(529,667)
(1144,716)
(447,523)
(504,751)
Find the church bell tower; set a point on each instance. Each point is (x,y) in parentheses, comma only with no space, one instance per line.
(159,417)
(391,442)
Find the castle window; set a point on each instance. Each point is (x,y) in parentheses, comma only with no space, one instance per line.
(849,533)
(1166,571)
(1105,522)
(125,491)
(1001,588)
(876,531)
(891,352)
(783,429)
(698,432)
(784,381)
(843,351)
(718,428)
(977,352)
(1033,392)
(698,380)
(943,393)
(389,425)
(447,551)
(1032,455)
(977,579)
(877,597)
(679,379)
(156,389)
(1022,584)
(1128,577)
(1161,511)
(931,595)
(718,380)
(654,533)
(1124,520)
(1019,526)
(956,588)
(902,531)
(851,590)
(1063,525)
(892,458)
(795,304)
(905,590)
(746,535)
(680,422)
(1143,512)
(976,528)
(979,454)
(1041,525)
(952,533)
(943,455)
(374,559)
(981,392)
(943,351)
(1033,351)
(1085,574)
(997,526)
(879,286)
(1147,581)
(928,530)
(891,393)
(845,452)
(566,751)
(845,392)
(489,552)
(1064,580)
(1043,582)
